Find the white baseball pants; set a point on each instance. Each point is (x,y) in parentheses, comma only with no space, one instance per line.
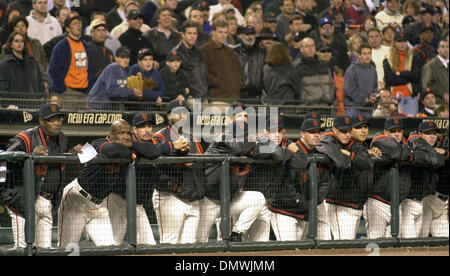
(378,219)
(435,217)
(117,209)
(43,222)
(323,222)
(411,218)
(178,219)
(344,221)
(77,214)
(288,228)
(245,208)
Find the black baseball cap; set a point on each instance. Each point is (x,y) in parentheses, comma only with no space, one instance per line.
(123,52)
(426,27)
(71,17)
(359,120)
(143,117)
(342,122)
(144,52)
(312,115)
(299,36)
(173,55)
(239,128)
(311,124)
(270,17)
(134,15)
(248,30)
(48,111)
(408,19)
(392,123)
(175,104)
(274,123)
(323,46)
(266,33)
(426,92)
(202,5)
(400,36)
(426,126)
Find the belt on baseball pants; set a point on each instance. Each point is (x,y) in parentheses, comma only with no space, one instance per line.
(441,196)
(92,199)
(45,195)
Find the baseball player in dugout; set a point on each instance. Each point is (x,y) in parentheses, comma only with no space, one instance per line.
(180,187)
(288,205)
(246,205)
(44,139)
(349,161)
(395,151)
(426,159)
(85,201)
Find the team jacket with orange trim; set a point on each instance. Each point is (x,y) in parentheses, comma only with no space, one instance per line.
(266,177)
(225,144)
(99,180)
(393,153)
(443,172)
(351,175)
(48,176)
(424,164)
(291,197)
(186,181)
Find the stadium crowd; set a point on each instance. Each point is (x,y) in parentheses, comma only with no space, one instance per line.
(378,58)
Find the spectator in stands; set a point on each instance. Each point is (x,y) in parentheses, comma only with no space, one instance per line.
(42,26)
(435,74)
(111,42)
(116,15)
(112,83)
(402,74)
(426,18)
(19,71)
(379,52)
(123,27)
(279,76)
(251,58)
(357,11)
(390,14)
(174,80)
(154,87)
(273,7)
(361,84)
(333,4)
(255,21)
(411,8)
(70,68)
(424,51)
(101,55)
(295,26)
(233,39)
(218,8)
(388,34)
(134,38)
(335,40)
(369,23)
(428,100)
(325,55)
(60,16)
(352,28)
(24,6)
(57,4)
(287,11)
(161,37)
(442,111)
(196,15)
(270,21)
(34,47)
(354,43)
(386,104)
(315,85)
(224,70)
(6,29)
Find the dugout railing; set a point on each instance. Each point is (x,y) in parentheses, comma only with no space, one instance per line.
(130,247)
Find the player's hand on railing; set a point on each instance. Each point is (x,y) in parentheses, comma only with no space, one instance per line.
(76,149)
(181,144)
(40,150)
(346,152)
(293,148)
(440,150)
(375,152)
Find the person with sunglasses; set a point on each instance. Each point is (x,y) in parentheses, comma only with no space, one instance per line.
(349,160)
(394,150)
(426,159)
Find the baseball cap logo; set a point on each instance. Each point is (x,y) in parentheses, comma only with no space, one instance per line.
(53,108)
(430,123)
(347,120)
(315,123)
(314,115)
(203,4)
(144,116)
(396,121)
(174,53)
(360,117)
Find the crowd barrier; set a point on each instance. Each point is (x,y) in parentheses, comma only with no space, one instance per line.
(130,245)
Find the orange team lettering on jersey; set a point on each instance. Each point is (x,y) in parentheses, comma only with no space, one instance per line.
(77,76)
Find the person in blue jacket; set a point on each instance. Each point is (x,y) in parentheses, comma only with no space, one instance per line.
(112,83)
(154,87)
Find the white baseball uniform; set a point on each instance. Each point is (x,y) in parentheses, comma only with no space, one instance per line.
(344,221)
(287,228)
(411,218)
(323,223)
(435,216)
(378,218)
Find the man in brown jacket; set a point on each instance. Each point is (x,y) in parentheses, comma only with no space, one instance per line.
(224,71)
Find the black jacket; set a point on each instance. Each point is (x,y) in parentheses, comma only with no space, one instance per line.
(48,177)
(134,40)
(393,154)
(413,76)
(21,76)
(161,44)
(351,181)
(252,63)
(279,84)
(113,19)
(194,69)
(291,196)
(185,180)
(175,83)
(443,172)
(424,164)
(24,6)
(101,57)
(99,180)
